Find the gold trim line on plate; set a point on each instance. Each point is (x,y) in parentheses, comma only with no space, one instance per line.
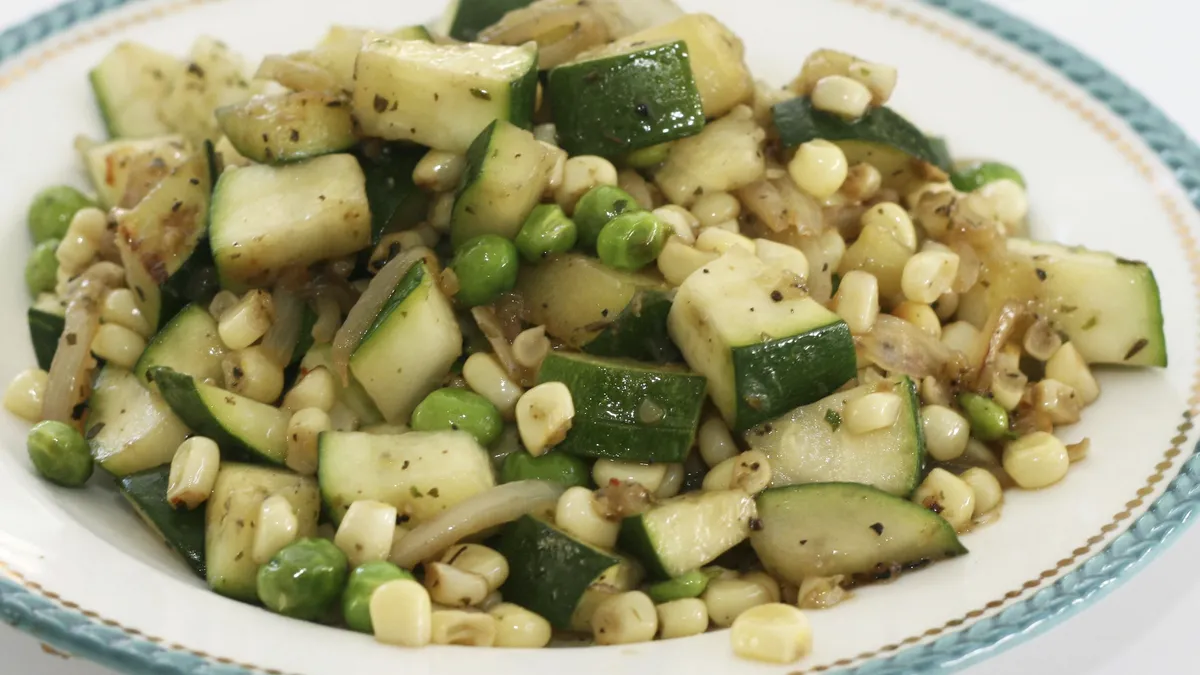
(1073,102)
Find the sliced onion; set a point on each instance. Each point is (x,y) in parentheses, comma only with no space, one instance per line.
(900,347)
(295,74)
(69,381)
(492,329)
(561,30)
(1000,328)
(497,506)
(363,314)
(279,343)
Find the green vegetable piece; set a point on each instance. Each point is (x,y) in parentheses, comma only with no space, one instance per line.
(688,585)
(459,409)
(978,174)
(304,579)
(989,422)
(546,231)
(486,266)
(597,208)
(356,599)
(631,241)
(41,270)
(650,157)
(59,453)
(554,467)
(52,210)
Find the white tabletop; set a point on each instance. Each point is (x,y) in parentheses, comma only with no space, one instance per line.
(1145,625)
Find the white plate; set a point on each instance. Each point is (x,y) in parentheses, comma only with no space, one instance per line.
(1104,168)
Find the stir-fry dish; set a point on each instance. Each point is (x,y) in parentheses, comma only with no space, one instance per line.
(556,323)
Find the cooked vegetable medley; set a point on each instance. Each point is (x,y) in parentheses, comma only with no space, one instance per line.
(574,328)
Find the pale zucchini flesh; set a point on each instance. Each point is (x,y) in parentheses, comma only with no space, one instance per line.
(125,170)
(689,531)
(130,85)
(289,127)
(129,427)
(188,344)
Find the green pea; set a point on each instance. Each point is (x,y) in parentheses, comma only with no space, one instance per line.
(978,174)
(599,206)
(59,452)
(52,210)
(631,241)
(486,266)
(304,579)
(989,421)
(546,231)
(650,157)
(555,467)
(356,599)
(687,585)
(41,269)
(459,409)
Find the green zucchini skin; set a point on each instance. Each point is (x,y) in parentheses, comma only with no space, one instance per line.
(182,529)
(799,122)
(639,332)
(45,329)
(395,200)
(472,16)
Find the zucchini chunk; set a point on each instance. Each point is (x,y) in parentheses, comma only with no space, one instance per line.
(809,444)
(599,310)
(688,532)
(559,577)
(129,85)
(349,394)
(466,18)
(717,58)
(395,200)
(410,347)
(213,77)
(798,122)
(1108,307)
(45,329)
(181,529)
(627,411)
(289,127)
(188,345)
(507,171)
(615,102)
(442,96)
(268,218)
(338,50)
(165,227)
(232,520)
(762,352)
(420,473)
(129,427)
(244,428)
(830,529)
(125,171)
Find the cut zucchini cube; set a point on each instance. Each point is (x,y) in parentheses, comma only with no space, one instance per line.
(129,85)
(266,219)
(442,96)
(763,352)
(614,103)
(289,127)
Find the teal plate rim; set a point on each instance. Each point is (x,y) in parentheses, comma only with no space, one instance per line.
(1147,536)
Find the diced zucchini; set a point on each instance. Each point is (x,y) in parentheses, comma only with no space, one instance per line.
(188,344)
(129,85)
(45,329)
(339,49)
(232,520)
(268,218)
(129,427)
(717,59)
(213,77)
(687,532)
(124,171)
(182,529)
(764,353)
(507,171)
(616,102)
(395,200)
(810,445)
(165,227)
(442,96)
(420,473)
(830,529)
(287,127)
(598,309)
(467,17)
(559,577)
(410,347)
(244,428)
(625,410)
(1108,307)
(798,122)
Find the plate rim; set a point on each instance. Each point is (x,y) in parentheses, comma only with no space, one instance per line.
(47,617)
